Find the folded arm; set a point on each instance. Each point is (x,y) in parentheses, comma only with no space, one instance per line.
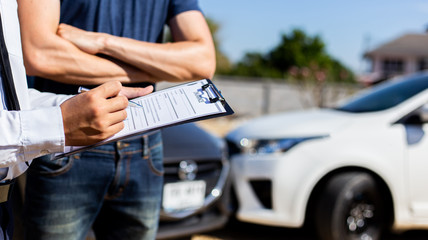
(190,56)
(48,55)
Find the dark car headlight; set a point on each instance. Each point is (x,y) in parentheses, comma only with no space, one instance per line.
(271,146)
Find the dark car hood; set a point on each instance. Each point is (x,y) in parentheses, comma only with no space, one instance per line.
(188,141)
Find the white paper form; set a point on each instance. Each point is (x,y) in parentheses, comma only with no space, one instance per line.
(167,107)
(172,105)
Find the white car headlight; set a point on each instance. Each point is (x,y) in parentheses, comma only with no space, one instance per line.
(270,146)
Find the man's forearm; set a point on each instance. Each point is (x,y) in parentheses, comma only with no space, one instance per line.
(171,61)
(50,56)
(191,56)
(67,64)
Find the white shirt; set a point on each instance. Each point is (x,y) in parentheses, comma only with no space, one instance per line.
(37,129)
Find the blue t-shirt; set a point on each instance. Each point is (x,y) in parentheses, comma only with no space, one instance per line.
(138,19)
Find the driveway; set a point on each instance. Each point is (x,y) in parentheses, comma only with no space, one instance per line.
(243,231)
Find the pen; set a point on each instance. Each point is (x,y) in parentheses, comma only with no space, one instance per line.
(82,89)
(131,103)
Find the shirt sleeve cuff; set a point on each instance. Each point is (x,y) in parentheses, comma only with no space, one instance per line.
(42,131)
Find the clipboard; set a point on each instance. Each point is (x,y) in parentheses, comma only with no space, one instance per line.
(183,103)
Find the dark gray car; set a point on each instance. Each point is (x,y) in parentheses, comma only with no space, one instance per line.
(196,189)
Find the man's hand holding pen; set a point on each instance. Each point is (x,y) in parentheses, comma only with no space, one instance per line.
(100,111)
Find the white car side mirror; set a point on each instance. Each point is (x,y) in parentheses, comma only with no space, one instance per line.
(423,113)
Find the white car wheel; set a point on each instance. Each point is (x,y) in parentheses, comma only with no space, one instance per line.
(351,207)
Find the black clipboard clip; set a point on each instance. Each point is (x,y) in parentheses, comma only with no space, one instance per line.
(213,93)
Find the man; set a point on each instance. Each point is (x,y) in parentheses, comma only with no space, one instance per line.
(96,41)
(33,124)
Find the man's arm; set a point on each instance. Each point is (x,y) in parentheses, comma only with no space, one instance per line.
(81,120)
(190,56)
(50,56)
(97,114)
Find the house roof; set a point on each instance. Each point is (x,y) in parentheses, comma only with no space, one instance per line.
(406,45)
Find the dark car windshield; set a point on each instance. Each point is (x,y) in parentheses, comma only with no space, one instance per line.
(386,95)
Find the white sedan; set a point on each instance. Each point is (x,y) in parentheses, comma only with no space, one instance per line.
(353,172)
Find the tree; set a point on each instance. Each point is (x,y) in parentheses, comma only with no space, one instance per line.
(223,63)
(255,65)
(299,57)
(297,49)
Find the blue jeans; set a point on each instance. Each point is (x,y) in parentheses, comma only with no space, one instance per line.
(115,188)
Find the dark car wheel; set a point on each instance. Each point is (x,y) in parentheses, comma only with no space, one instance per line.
(351,207)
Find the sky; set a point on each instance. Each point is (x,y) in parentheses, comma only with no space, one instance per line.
(348,28)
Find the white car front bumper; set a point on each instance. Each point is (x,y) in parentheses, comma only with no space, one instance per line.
(265,196)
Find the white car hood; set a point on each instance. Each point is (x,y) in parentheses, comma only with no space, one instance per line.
(309,123)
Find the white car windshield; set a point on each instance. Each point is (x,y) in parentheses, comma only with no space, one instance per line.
(386,95)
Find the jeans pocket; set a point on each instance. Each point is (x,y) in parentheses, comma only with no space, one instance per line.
(48,167)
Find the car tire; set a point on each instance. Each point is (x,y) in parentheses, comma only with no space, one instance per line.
(351,207)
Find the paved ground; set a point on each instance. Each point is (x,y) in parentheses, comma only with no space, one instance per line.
(244,231)
(220,126)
